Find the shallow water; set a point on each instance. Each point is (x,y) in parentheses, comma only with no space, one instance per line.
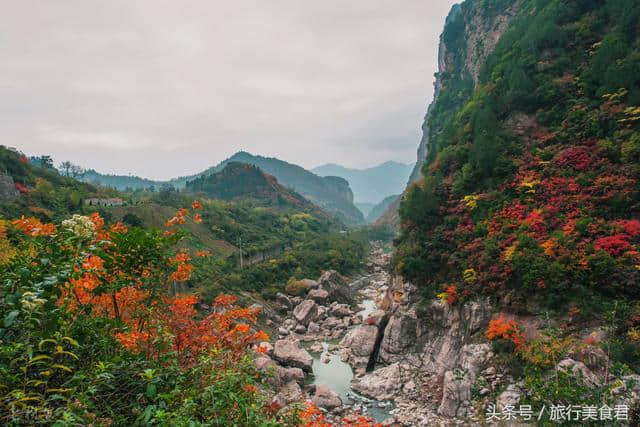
(337,375)
(368,306)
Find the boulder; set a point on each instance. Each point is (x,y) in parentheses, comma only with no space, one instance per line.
(316,347)
(322,312)
(289,393)
(579,370)
(340,310)
(266,347)
(289,353)
(318,295)
(313,328)
(359,344)
(337,287)
(326,398)
(264,364)
(510,397)
(287,374)
(306,311)
(399,335)
(8,191)
(382,384)
(269,367)
(284,301)
(331,323)
(456,395)
(283,331)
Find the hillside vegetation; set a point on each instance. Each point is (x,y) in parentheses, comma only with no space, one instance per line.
(40,190)
(530,192)
(122,319)
(329,193)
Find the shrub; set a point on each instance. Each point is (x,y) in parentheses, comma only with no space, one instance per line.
(93,332)
(501,329)
(296,287)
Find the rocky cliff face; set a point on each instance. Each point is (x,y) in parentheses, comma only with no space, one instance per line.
(8,190)
(471,32)
(510,75)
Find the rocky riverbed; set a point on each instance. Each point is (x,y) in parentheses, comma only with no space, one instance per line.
(326,341)
(357,347)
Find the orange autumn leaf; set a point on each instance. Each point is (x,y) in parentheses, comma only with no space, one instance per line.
(34,227)
(119,227)
(501,328)
(242,328)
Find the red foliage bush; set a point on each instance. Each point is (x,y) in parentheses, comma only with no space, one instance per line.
(629,226)
(21,187)
(614,245)
(502,328)
(576,157)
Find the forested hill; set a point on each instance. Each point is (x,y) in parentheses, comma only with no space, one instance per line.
(530,186)
(241,181)
(331,193)
(30,188)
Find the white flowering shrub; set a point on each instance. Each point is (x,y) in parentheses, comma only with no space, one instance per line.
(81,226)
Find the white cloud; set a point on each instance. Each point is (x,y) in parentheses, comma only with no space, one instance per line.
(178,86)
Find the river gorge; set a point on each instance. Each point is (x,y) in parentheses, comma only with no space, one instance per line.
(329,339)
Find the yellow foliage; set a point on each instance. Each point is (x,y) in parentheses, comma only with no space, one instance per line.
(443,297)
(296,287)
(470,276)
(529,185)
(7,251)
(471,201)
(507,255)
(546,351)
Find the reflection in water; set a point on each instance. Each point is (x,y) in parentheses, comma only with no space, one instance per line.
(337,375)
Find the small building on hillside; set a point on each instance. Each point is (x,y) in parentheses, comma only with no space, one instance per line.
(94,201)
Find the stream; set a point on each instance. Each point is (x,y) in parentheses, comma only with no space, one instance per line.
(337,375)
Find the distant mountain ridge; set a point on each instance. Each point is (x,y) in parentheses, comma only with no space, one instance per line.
(371,185)
(246,181)
(378,210)
(330,193)
(120,182)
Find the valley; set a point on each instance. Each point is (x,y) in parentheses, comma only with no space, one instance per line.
(495,280)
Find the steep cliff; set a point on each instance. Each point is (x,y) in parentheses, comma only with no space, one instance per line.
(520,241)
(471,31)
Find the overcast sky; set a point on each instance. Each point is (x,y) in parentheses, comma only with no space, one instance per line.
(166,88)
